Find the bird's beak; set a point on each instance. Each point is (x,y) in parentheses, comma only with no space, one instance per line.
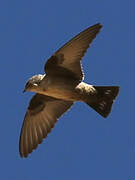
(24,90)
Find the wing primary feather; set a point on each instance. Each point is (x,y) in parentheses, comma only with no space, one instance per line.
(37,124)
(43,127)
(39,133)
(25,141)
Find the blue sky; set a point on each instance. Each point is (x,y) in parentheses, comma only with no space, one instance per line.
(83,145)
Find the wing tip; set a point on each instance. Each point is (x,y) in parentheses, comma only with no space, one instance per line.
(97,25)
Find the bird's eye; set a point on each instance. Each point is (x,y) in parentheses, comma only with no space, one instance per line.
(35,84)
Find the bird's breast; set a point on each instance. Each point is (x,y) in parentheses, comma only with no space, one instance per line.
(60,88)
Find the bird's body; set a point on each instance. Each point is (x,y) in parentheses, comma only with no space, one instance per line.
(64,88)
(58,89)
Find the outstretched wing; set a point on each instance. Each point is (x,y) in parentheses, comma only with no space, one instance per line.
(40,118)
(66,61)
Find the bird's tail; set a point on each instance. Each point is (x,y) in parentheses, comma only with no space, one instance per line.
(105,97)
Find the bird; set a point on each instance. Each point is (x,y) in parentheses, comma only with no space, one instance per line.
(59,88)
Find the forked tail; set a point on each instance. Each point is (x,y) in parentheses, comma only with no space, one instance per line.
(104,99)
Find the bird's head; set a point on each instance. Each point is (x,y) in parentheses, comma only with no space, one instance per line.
(33,83)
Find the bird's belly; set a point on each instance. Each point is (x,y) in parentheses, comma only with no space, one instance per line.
(61,93)
(60,89)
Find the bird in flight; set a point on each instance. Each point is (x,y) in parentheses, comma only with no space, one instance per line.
(58,89)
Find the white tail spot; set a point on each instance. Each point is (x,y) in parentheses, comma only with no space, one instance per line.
(108,92)
(102,105)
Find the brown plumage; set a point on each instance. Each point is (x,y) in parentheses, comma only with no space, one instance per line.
(59,88)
